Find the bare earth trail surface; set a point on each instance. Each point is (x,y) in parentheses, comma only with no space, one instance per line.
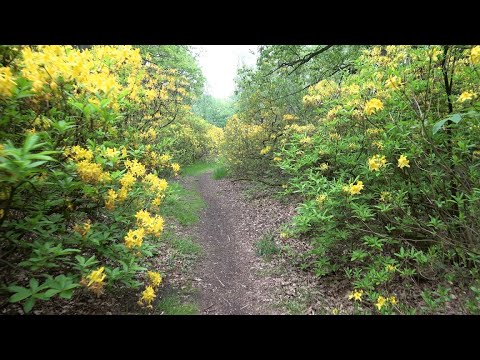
(229,274)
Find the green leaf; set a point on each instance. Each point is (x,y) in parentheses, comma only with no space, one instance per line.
(21,295)
(67,294)
(33,284)
(438,125)
(51,292)
(455,118)
(27,307)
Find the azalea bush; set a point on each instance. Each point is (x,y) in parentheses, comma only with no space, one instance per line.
(88,143)
(387,161)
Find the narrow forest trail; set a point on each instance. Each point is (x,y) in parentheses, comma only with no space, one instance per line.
(227,276)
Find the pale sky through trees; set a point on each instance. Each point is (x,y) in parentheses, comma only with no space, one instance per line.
(219,64)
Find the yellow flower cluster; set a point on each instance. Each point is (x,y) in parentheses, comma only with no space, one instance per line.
(353,189)
(475,55)
(77,153)
(83,229)
(95,281)
(148,295)
(151,224)
(175,168)
(466,95)
(383,301)
(111,197)
(306,140)
(356,295)
(134,238)
(372,106)
(323,167)
(393,82)
(157,186)
(92,172)
(403,162)
(335,136)
(135,168)
(289,117)
(7,82)
(265,150)
(320,91)
(376,162)
(154,278)
(321,199)
(385,196)
(111,154)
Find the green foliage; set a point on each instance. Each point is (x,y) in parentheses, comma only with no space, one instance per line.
(388,180)
(89,135)
(220,172)
(215,111)
(198,168)
(266,246)
(173,305)
(182,204)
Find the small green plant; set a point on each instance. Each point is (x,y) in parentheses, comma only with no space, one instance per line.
(186,246)
(266,246)
(220,172)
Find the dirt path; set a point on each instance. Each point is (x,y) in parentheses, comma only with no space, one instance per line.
(228,274)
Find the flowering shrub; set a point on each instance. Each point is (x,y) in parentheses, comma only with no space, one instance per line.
(88,140)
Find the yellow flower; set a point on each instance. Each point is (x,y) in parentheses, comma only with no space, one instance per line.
(393,82)
(376,162)
(135,168)
(96,276)
(175,168)
(84,228)
(475,55)
(156,201)
(124,152)
(466,96)
(372,106)
(111,153)
(335,311)
(306,140)
(403,162)
(433,53)
(335,136)
(378,144)
(288,117)
(385,196)
(134,238)
(154,278)
(111,197)
(323,167)
(283,235)
(391,268)
(127,180)
(276,158)
(148,295)
(354,189)
(265,150)
(393,300)
(380,302)
(6,82)
(356,295)
(321,198)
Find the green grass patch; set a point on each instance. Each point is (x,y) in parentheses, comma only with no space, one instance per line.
(220,172)
(182,204)
(173,305)
(198,168)
(186,246)
(266,246)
